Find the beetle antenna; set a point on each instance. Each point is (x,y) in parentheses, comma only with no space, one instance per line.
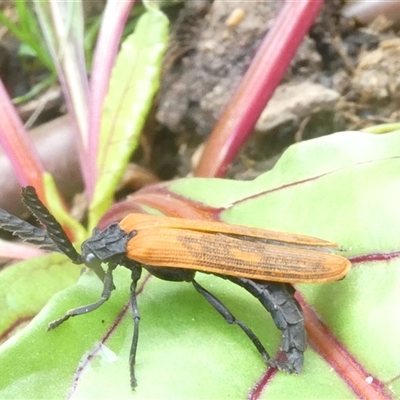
(54,230)
(27,232)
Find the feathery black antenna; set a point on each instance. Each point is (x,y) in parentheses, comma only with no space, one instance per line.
(27,232)
(54,230)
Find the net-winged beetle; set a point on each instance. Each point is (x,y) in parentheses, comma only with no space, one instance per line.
(261,261)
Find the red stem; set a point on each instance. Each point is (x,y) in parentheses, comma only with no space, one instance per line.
(17,145)
(257,86)
(359,380)
(112,26)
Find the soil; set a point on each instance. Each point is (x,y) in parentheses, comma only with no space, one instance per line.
(344,77)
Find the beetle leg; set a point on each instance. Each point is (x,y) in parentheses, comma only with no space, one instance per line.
(136,272)
(107,289)
(230,319)
(277,298)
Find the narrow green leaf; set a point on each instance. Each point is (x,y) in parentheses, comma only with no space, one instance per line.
(135,79)
(57,208)
(28,32)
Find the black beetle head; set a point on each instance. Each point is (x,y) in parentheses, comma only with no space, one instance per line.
(105,245)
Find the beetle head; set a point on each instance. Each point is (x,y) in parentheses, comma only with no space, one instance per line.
(105,245)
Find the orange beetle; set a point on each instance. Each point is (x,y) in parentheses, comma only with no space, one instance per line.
(261,261)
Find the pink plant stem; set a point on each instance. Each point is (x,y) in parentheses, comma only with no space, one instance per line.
(115,16)
(18,147)
(257,86)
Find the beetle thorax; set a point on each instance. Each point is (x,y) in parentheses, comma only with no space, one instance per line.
(105,244)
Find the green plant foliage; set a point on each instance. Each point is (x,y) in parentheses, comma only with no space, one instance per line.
(56,208)
(134,81)
(50,347)
(344,188)
(27,286)
(28,32)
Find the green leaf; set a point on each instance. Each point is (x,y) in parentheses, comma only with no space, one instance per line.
(27,286)
(56,207)
(46,351)
(343,188)
(28,32)
(134,81)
